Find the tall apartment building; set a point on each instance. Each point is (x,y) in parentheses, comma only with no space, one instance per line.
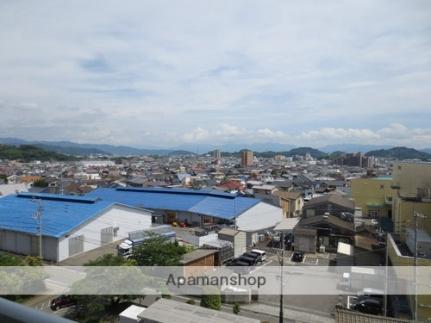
(246,158)
(411,242)
(217,154)
(356,160)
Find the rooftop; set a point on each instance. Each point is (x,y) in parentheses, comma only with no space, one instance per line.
(61,213)
(196,255)
(331,198)
(167,311)
(205,202)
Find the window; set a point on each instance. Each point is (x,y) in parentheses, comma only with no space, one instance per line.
(373,213)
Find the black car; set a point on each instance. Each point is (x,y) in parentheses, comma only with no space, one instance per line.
(62,302)
(255,256)
(251,261)
(240,267)
(368,306)
(298,256)
(379,298)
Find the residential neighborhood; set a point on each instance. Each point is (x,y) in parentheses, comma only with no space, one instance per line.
(318,212)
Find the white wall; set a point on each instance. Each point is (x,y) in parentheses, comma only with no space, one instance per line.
(259,217)
(6,189)
(127,219)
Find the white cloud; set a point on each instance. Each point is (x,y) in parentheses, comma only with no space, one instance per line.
(394,134)
(197,134)
(256,70)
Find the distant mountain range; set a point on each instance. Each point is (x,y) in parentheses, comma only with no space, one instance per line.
(29,153)
(71,148)
(261,149)
(352,148)
(400,153)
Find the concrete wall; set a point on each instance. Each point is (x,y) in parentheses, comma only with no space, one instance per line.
(124,218)
(27,244)
(372,191)
(397,259)
(411,176)
(402,213)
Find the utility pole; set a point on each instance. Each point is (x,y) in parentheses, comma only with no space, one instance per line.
(61,182)
(281,260)
(38,217)
(385,309)
(416,215)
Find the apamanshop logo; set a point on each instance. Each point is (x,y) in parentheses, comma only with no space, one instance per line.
(216,281)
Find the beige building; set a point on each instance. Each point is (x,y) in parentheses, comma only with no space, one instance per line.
(412,185)
(411,209)
(373,195)
(290,202)
(246,158)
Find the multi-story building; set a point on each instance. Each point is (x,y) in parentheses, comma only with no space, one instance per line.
(217,155)
(412,185)
(246,158)
(356,160)
(410,245)
(373,195)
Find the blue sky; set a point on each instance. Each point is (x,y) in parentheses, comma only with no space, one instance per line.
(163,73)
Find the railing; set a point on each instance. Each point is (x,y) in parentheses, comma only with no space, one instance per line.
(11,312)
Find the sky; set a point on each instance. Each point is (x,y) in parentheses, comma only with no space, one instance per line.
(165,73)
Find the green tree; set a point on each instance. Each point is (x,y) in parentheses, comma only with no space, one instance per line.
(40,183)
(212,300)
(93,307)
(235,308)
(157,251)
(111,260)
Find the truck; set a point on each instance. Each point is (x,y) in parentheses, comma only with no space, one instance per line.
(225,250)
(137,238)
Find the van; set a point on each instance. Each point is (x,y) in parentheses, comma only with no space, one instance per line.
(261,253)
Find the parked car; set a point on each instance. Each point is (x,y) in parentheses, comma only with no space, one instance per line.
(254,256)
(368,305)
(261,253)
(251,261)
(62,302)
(241,267)
(297,256)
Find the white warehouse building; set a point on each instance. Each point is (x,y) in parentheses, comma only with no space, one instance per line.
(70,224)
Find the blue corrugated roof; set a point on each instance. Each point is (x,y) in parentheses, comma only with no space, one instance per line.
(58,197)
(60,215)
(63,213)
(211,203)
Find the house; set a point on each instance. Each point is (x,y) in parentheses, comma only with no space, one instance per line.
(332,203)
(264,192)
(290,202)
(305,239)
(330,230)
